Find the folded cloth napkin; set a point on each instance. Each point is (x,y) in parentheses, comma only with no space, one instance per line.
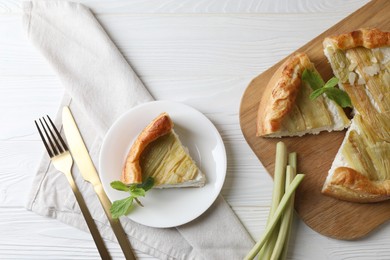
(100,85)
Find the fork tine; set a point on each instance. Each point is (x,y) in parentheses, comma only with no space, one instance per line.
(58,134)
(58,146)
(44,140)
(49,137)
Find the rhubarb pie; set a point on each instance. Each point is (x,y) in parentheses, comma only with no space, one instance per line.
(361,169)
(157,152)
(286,109)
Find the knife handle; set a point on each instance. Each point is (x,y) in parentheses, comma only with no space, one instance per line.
(115,223)
(88,218)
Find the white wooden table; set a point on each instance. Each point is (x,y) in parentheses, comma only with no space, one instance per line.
(199,52)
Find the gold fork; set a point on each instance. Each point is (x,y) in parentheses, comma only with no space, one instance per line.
(62,161)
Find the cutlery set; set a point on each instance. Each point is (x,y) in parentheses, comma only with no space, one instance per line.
(62,158)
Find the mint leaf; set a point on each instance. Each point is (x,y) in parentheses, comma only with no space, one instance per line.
(146,185)
(118,185)
(121,207)
(316,93)
(319,87)
(339,96)
(331,82)
(313,79)
(137,192)
(328,85)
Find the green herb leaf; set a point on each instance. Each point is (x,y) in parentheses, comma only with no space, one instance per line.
(146,185)
(313,79)
(331,82)
(121,207)
(137,192)
(337,95)
(316,93)
(118,185)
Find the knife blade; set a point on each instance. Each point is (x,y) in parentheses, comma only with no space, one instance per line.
(88,171)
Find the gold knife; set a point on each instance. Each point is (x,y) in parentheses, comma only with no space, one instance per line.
(89,173)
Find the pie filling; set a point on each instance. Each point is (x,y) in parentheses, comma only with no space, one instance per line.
(365,76)
(307,114)
(167,161)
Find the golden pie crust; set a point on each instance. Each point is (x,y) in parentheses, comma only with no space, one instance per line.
(160,126)
(369,38)
(280,94)
(350,185)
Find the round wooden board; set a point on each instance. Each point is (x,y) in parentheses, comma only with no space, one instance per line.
(328,216)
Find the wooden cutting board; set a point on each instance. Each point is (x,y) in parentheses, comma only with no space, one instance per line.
(328,216)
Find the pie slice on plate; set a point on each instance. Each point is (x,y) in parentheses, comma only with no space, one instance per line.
(361,169)
(157,152)
(285,108)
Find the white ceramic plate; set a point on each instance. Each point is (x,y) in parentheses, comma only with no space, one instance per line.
(166,207)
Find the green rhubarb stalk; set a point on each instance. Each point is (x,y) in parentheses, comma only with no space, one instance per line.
(285,225)
(275,218)
(292,161)
(277,193)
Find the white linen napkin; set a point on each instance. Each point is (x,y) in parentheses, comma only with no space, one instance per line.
(100,85)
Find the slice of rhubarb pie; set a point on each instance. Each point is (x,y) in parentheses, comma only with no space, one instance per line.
(157,152)
(286,109)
